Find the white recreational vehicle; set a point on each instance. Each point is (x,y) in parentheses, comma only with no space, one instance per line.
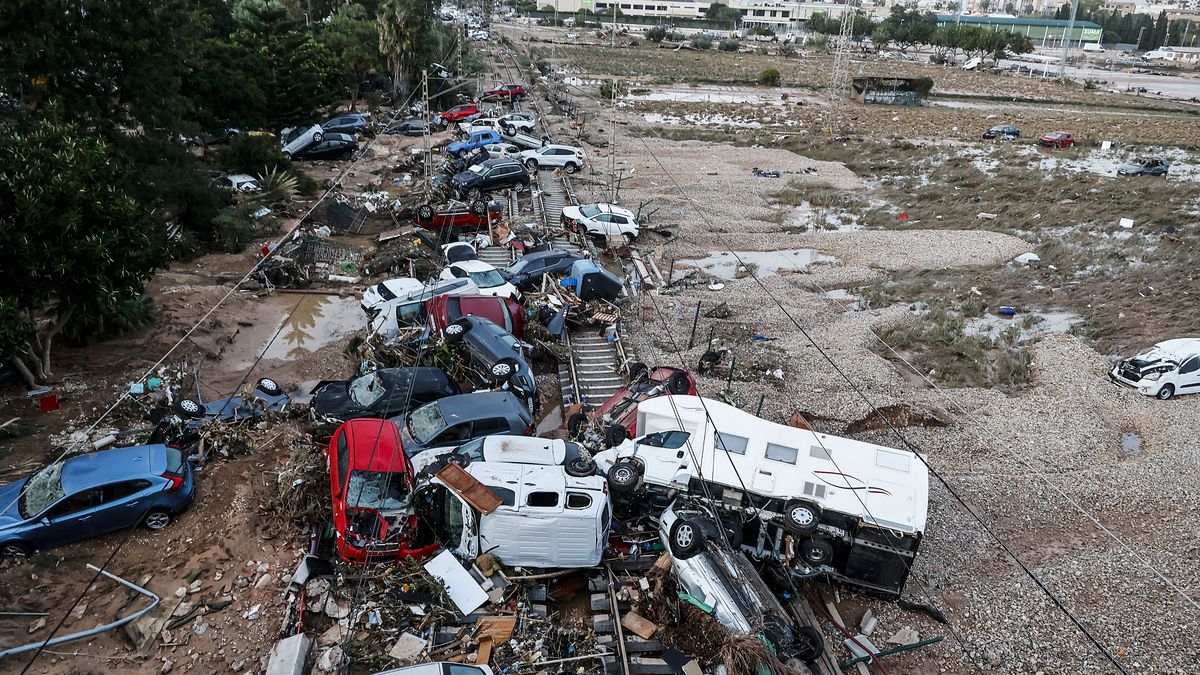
(854,508)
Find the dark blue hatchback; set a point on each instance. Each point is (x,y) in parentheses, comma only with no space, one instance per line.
(93,494)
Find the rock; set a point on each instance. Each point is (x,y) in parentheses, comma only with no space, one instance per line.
(253,613)
(237,665)
(79,611)
(220,602)
(242,582)
(331,660)
(181,591)
(336,609)
(904,636)
(200,628)
(263,581)
(38,625)
(1027,258)
(318,587)
(194,587)
(334,636)
(407,648)
(166,666)
(264,567)
(182,609)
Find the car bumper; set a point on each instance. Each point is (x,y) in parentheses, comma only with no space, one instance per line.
(1143,386)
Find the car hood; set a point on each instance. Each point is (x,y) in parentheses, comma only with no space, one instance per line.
(332,399)
(8,497)
(571,212)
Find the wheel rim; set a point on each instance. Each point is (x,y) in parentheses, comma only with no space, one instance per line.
(14,551)
(189,406)
(157,520)
(1165,393)
(801,516)
(268,384)
(453,330)
(815,554)
(501,369)
(684,536)
(623,474)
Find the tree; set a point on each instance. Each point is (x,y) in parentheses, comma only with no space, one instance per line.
(722,16)
(353,38)
(769,77)
(656,34)
(403,25)
(76,245)
(1160,31)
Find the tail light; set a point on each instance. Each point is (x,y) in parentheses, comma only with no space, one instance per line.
(176,481)
(529,431)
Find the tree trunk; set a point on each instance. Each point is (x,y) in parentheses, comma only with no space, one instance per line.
(24,370)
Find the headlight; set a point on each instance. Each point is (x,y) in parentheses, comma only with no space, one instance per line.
(1153,377)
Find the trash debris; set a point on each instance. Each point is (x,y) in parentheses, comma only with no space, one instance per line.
(464,591)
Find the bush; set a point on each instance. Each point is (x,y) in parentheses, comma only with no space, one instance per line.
(729,45)
(769,77)
(675,36)
(233,228)
(787,49)
(702,42)
(613,88)
(923,85)
(251,154)
(656,34)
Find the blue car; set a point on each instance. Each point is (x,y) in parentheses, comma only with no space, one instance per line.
(473,141)
(93,494)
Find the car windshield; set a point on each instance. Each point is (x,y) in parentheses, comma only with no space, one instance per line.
(590,210)
(516,267)
(378,490)
(367,389)
(487,278)
(42,491)
(426,422)
(454,518)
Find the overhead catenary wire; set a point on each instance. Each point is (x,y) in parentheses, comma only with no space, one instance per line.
(1000,541)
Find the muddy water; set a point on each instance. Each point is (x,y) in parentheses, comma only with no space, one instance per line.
(1131,443)
(317,321)
(723,264)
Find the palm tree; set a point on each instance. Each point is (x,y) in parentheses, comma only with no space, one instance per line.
(403,25)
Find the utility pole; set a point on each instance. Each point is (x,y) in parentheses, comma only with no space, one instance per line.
(1141,30)
(958,15)
(425,116)
(1062,67)
(614,26)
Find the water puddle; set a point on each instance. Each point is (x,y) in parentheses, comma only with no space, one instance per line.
(317,321)
(724,265)
(702,120)
(811,219)
(1131,443)
(844,299)
(1028,325)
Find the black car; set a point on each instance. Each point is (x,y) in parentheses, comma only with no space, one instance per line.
(1005,131)
(526,274)
(454,420)
(498,358)
(409,128)
(180,426)
(333,146)
(384,393)
(494,174)
(352,123)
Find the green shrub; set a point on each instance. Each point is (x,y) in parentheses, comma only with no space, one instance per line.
(251,154)
(923,85)
(656,34)
(613,88)
(233,228)
(729,45)
(769,77)
(702,42)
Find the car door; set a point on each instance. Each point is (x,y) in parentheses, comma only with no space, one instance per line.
(71,519)
(338,472)
(1189,376)
(123,505)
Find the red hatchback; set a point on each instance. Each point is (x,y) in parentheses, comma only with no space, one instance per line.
(458,214)
(509,91)
(616,418)
(1057,139)
(506,313)
(459,113)
(372,485)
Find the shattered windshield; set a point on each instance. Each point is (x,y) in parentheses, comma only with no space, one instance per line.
(487,279)
(377,490)
(425,422)
(367,389)
(516,267)
(42,491)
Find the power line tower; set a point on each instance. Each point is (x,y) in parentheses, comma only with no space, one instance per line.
(839,76)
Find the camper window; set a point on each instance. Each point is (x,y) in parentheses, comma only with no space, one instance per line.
(730,443)
(782,453)
(507,497)
(542,499)
(670,440)
(578,500)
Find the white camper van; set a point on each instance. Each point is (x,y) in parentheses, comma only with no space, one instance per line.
(855,508)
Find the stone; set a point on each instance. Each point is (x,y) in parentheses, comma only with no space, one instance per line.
(904,636)
(182,609)
(238,665)
(334,636)
(331,660)
(407,648)
(166,666)
(264,567)
(336,609)
(79,611)
(263,581)
(181,591)
(253,613)
(38,625)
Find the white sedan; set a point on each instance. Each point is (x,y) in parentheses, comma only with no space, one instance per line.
(521,121)
(601,220)
(566,156)
(487,278)
(503,151)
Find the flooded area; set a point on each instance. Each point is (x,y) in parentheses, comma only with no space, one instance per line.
(735,265)
(811,218)
(316,321)
(1131,443)
(719,95)
(1183,166)
(1029,325)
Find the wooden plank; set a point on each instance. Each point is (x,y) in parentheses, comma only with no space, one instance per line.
(497,629)
(640,626)
(479,496)
(485,651)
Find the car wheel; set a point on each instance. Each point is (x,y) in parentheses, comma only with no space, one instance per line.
(479,208)
(522,186)
(157,519)
(455,331)
(1165,394)
(580,467)
(474,195)
(685,538)
(570,167)
(15,549)
(269,387)
(531,165)
(575,423)
(637,370)
(425,213)
(809,644)
(503,370)
(624,476)
(189,408)
(318,137)
(630,238)
(287,155)
(679,384)
(816,551)
(615,435)
(801,517)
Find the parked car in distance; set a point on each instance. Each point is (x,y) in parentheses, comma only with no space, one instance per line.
(206,138)
(503,151)
(92,494)
(456,214)
(601,220)
(457,114)
(1002,131)
(518,121)
(1057,139)
(504,312)
(473,141)
(333,146)
(487,279)
(511,92)
(1146,166)
(439,668)
(510,450)
(372,486)
(489,176)
(386,392)
(526,274)
(350,123)
(568,157)
(454,420)
(409,128)
(295,139)
(616,419)
(238,182)
(498,358)
(1169,368)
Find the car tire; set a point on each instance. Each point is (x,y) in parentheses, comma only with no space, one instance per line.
(816,551)
(479,208)
(575,423)
(454,332)
(474,195)
(522,187)
(425,214)
(615,435)
(580,467)
(570,167)
(1165,394)
(624,476)
(685,539)
(801,517)
(318,137)
(630,238)
(157,519)
(287,155)
(189,408)
(15,549)
(637,370)
(531,165)
(809,644)
(503,370)
(679,384)
(269,387)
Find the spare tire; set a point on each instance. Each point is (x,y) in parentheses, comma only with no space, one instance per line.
(623,476)
(636,370)
(425,214)
(679,383)
(503,370)
(801,517)
(455,331)
(269,387)
(615,435)
(816,551)
(580,467)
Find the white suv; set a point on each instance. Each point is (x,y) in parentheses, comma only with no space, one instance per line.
(570,158)
(601,220)
(295,139)
(1170,368)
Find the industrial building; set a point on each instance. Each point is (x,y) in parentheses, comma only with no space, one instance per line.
(1042,32)
(778,15)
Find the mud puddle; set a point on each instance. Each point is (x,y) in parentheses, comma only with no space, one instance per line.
(316,321)
(725,265)
(1131,443)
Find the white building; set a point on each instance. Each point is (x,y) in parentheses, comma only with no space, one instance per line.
(778,15)
(1190,55)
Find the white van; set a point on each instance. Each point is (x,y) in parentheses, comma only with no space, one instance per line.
(546,517)
(856,508)
(389,314)
(1169,368)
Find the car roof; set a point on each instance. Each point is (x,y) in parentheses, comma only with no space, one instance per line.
(426,377)
(489,163)
(94,469)
(473,265)
(479,404)
(1180,346)
(609,208)
(533,477)
(558,147)
(538,255)
(523,449)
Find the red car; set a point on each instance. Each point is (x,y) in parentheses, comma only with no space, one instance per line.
(459,113)
(508,91)
(617,417)
(372,485)
(443,310)
(458,215)
(1057,139)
